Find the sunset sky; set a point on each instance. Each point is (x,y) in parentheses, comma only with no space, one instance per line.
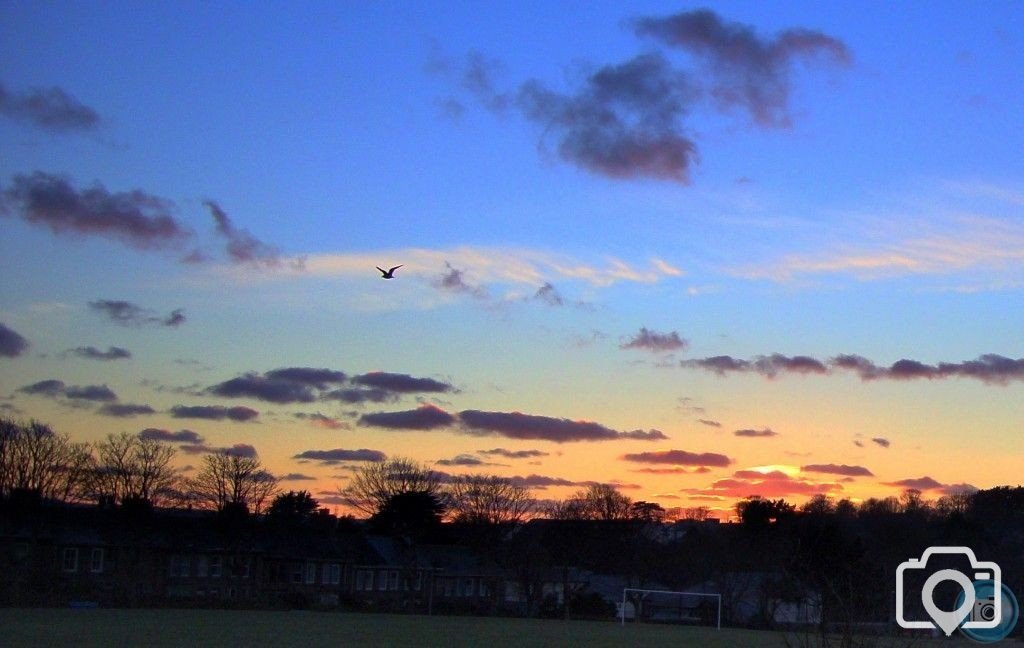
(696,251)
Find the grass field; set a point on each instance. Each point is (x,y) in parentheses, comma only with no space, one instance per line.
(156,628)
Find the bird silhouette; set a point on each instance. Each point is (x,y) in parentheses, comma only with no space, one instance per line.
(388,274)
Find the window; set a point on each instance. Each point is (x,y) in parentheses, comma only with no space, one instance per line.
(393,580)
(310,573)
(466,587)
(202,565)
(364,580)
(382,581)
(485,590)
(296,572)
(179,566)
(70,559)
(418,583)
(96,560)
(216,566)
(331,574)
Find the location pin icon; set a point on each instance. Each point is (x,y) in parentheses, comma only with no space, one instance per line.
(948,621)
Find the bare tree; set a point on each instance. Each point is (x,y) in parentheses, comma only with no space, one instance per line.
(132,468)
(34,458)
(376,484)
(596,502)
(489,500)
(226,478)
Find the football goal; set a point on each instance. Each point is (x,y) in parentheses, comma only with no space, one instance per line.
(663,606)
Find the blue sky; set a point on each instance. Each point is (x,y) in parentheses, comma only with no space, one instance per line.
(851,185)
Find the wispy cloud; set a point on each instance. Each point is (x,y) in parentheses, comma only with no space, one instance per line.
(126,313)
(51,109)
(648,340)
(92,353)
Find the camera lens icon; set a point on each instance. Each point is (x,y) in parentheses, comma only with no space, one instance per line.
(977,610)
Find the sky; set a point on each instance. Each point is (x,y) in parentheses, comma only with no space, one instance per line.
(697,251)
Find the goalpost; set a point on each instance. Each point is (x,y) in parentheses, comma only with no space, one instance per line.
(645,593)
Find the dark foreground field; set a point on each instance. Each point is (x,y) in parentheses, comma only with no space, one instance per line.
(155,628)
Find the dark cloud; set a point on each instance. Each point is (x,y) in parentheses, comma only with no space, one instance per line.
(756,474)
(542,481)
(424,417)
(514,454)
(125,410)
(214,412)
(774,484)
(625,120)
(989,368)
(918,483)
(709,423)
(885,443)
(957,489)
(516,425)
(265,389)
(549,295)
(673,471)
(679,458)
(92,353)
(318,378)
(90,393)
(126,313)
(242,247)
(243,450)
(649,340)
(465,460)
(838,469)
(134,218)
(359,396)
(50,388)
(401,383)
(297,477)
(181,436)
(338,455)
(453,280)
(743,69)
(51,109)
(748,432)
(12,344)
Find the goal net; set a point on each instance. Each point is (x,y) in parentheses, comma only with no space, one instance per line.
(663,606)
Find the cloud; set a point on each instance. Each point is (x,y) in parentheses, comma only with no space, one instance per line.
(989,368)
(401,383)
(50,109)
(181,436)
(648,340)
(673,471)
(709,423)
(322,421)
(679,458)
(53,388)
(517,266)
(774,484)
(453,280)
(12,344)
(424,417)
(549,295)
(338,455)
(92,353)
(264,389)
(243,247)
(516,425)
(885,443)
(514,454)
(135,218)
(243,450)
(125,410)
(296,477)
(838,469)
(748,432)
(126,313)
(743,69)
(626,119)
(465,460)
(214,412)
(542,481)
(360,396)
(919,483)
(318,378)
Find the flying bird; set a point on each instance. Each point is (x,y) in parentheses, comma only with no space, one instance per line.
(388,274)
